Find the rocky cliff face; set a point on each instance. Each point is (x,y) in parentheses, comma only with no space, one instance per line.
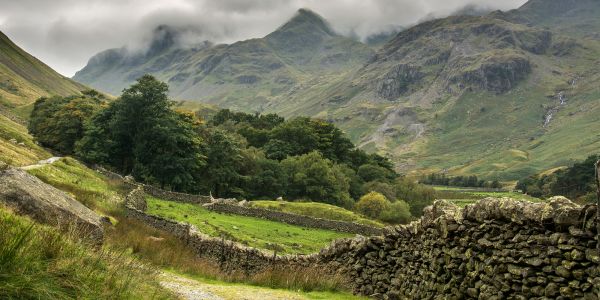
(458,52)
(28,195)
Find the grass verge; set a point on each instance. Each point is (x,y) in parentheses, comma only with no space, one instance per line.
(37,262)
(317,210)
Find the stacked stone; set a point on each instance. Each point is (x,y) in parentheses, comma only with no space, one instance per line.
(496,249)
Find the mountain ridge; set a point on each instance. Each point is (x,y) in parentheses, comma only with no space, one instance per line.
(428,96)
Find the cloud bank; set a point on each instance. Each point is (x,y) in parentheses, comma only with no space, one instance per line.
(66,33)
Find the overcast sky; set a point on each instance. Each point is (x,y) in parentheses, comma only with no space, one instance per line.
(66,33)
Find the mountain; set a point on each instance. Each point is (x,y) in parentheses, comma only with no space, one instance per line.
(470,95)
(301,51)
(23,78)
(573,17)
(501,95)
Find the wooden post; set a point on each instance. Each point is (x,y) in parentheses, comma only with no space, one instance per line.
(597,168)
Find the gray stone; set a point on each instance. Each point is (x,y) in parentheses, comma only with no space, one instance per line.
(27,195)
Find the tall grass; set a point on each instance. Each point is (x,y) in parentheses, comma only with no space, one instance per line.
(37,262)
(166,251)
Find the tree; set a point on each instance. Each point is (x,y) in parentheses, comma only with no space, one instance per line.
(370,172)
(58,122)
(383,188)
(372,205)
(140,134)
(269,181)
(416,195)
(221,174)
(310,176)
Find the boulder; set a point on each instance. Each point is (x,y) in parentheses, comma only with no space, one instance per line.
(27,195)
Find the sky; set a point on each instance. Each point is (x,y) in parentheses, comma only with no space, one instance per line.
(66,33)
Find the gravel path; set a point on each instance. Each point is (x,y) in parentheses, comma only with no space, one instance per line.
(190,289)
(186,288)
(42,163)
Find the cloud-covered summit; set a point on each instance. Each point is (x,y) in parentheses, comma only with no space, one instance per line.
(66,33)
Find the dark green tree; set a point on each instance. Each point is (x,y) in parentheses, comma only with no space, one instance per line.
(58,122)
(140,134)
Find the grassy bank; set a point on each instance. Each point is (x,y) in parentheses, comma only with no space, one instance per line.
(37,262)
(317,210)
(463,196)
(86,185)
(253,232)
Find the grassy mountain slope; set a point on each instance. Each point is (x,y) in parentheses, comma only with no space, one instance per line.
(23,78)
(471,95)
(17,147)
(248,75)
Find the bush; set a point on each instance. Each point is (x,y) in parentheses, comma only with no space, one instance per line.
(397,213)
(383,188)
(416,195)
(372,205)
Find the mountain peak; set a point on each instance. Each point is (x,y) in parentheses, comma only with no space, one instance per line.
(305,20)
(163,37)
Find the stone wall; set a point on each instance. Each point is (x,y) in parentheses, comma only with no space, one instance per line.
(494,249)
(154,191)
(174,196)
(294,219)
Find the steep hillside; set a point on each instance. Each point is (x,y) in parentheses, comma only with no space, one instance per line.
(246,75)
(23,78)
(471,95)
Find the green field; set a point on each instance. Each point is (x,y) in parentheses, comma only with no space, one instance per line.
(317,210)
(463,196)
(253,232)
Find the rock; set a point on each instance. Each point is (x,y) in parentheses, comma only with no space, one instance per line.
(563,272)
(28,195)
(495,73)
(280,198)
(398,81)
(551,290)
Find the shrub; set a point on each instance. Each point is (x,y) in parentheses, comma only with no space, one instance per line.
(397,213)
(372,205)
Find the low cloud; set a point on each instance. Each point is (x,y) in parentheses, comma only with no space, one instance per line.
(66,33)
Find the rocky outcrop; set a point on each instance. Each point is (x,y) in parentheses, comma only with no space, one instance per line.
(398,81)
(28,195)
(495,73)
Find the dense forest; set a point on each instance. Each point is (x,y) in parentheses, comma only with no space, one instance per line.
(576,182)
(232,154)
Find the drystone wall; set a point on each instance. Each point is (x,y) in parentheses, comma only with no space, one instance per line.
(294,219)
(174,196)
(154,191)
(494,249)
